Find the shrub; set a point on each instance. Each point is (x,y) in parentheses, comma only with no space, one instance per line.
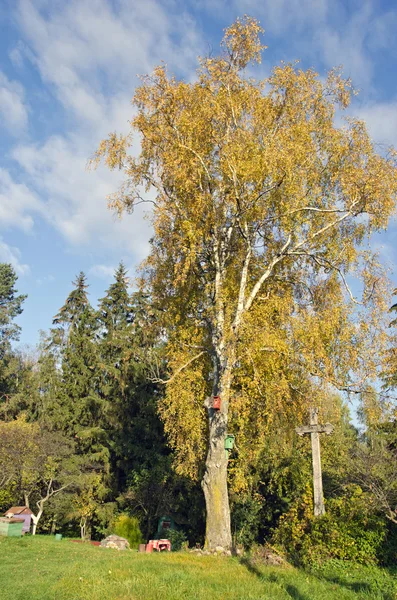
(128,528)
(6,499)
(176,536)
(246,521)
(348,530)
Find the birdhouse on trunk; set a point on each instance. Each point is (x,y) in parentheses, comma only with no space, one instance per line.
(229,441)
(216,402)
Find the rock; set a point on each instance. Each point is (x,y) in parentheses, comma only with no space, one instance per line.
(115,541)
(266,555)
(274,559)
(219,549)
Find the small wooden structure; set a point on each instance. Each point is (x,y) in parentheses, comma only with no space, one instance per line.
(23,513)
(10,527)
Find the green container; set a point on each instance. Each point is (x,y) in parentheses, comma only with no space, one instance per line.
(11,527)
(229,441)
(58,537)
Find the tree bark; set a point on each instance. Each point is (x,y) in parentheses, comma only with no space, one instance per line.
(35,520)
(83,528)
(214,483)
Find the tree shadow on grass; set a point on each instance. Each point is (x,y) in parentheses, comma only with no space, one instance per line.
(292,590)
(359,586)
(355,586)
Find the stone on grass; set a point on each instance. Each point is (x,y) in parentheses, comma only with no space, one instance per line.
(115,541)
(266,555)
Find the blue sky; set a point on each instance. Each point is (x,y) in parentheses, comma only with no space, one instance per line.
(68,69)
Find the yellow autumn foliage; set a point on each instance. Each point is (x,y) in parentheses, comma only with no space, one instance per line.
(263,211)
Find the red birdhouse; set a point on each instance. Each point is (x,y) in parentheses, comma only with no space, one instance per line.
(216,403)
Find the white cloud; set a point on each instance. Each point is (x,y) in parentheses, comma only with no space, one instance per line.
(10,254)
(102,271)
(89,52)
(13,110)
(278,16)
(381,119)
(76,198)
(92,53)
(17,203)
(319,31)
(345,44)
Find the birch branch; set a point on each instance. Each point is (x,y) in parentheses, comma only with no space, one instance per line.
(266,274)
(243,286)
(179,370)
(321,231)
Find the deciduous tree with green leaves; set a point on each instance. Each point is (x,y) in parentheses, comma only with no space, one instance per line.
(39,464)
(262,207)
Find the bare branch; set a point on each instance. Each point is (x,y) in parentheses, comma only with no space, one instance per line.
(321,231)
(243,287)
(266,274)
(165,381)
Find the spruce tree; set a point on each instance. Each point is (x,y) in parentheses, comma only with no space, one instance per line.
(126,341)
(80,405)
(68,316)
(80,408)
(11,364)
(10,307)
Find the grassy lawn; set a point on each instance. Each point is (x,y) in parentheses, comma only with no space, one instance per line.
(42,569)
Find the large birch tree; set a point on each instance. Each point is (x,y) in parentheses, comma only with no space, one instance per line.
(262,207)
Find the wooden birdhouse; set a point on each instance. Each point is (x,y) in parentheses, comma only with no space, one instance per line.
(216,402)
(229,441)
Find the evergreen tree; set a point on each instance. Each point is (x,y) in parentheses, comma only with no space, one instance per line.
(80,377)
(82,414)
(79,410)
(10,307)
(115,311)
(11,364)
(126,340)
(70,313)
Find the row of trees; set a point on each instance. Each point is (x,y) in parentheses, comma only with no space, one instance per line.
(80,434)
(81,440)
(260,288)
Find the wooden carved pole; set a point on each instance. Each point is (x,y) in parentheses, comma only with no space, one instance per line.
(315,429)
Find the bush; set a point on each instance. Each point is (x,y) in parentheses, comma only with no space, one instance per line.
(246,521)
(176,536)
(348,530)
(128,528)
(6,500)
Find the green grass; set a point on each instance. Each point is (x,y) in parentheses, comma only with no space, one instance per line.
(42,569)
